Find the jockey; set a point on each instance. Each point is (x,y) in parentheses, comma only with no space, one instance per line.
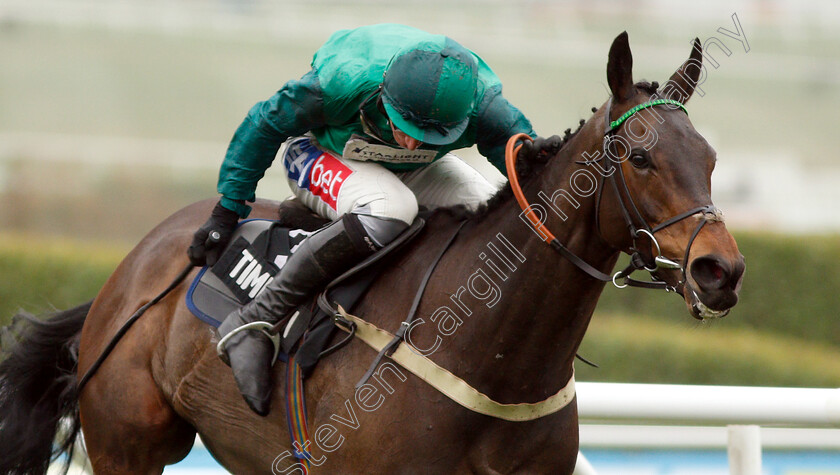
(368,135)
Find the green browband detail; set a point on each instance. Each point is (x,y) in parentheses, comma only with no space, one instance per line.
(614,124)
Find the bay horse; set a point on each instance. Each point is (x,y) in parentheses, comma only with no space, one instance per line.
(502,310)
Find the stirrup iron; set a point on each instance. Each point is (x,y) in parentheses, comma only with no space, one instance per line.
(264,327)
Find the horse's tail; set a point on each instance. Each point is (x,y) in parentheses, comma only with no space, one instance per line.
(38,398)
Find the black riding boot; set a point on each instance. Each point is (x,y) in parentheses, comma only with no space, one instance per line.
(320,258)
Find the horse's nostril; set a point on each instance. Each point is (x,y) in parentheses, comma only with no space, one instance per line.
(710,273)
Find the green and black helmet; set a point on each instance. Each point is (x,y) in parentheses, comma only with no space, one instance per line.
(429,90)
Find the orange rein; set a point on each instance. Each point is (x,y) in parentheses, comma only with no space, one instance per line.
(511,151)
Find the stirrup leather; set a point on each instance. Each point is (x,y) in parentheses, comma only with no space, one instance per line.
(263,327)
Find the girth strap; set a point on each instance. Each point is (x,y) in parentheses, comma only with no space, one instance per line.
(452,386)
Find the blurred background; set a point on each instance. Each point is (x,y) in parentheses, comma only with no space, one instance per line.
(116,113)
(113,114)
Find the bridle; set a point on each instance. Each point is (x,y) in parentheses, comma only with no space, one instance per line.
(629,211)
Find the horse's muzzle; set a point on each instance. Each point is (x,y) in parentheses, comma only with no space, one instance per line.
(713,285)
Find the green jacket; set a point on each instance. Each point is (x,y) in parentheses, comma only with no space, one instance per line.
(326,100)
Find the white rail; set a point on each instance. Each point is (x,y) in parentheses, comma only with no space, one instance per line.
(617,436)
(608,411)
(710,405)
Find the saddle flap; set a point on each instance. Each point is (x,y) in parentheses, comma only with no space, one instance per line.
(258,250)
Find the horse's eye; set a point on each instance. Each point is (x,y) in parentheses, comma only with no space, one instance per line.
(639,160)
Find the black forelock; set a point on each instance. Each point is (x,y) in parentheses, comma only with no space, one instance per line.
(649,87)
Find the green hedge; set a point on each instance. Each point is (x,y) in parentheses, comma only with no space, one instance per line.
(40,275)
(634,348)
(784,332)
(790,288)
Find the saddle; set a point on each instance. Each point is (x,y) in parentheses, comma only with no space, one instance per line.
(256,253)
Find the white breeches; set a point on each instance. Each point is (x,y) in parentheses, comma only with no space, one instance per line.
(333,186)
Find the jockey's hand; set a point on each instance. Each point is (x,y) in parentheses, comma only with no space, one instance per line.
(540,149)
(206,251)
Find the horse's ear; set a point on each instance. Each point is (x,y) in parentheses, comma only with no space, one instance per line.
(682,84)
(620,68)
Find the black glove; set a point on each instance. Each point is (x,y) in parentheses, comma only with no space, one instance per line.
(204,249)
(540,149)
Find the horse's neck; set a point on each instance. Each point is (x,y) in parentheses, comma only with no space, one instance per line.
(532,329)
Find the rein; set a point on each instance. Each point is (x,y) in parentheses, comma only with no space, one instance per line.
(124,328)
(706,213)
(213,238)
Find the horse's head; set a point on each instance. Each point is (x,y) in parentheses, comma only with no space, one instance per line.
(661,187)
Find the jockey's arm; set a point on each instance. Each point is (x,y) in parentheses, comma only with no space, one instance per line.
(498,120)
(294,110)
